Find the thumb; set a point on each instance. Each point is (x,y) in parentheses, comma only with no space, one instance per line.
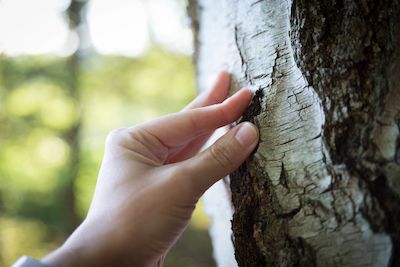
(222,158)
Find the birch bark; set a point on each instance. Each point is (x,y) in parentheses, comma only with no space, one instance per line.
(322,188)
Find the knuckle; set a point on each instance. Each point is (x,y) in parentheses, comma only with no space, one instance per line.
(115,136)
(226,116)
(193,121)
(214,97)
(222,155)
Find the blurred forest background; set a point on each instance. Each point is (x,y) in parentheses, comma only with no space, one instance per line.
(71,71)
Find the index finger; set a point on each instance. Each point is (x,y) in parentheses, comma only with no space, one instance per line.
(179,128)
(217,94)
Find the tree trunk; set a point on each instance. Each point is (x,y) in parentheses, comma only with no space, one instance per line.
(72,136)
(323,186)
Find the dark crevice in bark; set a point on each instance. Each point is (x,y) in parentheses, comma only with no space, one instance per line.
(397,154)
(283,177)
(389,201)
(345,50)
(256,2)
(304,254)
(255,108)
(289,215)
(259,225)
(275,75)
(244,199)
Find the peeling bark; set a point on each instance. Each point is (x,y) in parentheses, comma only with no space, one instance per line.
(322,188)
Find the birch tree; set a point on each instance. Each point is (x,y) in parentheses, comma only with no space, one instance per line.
(323,186)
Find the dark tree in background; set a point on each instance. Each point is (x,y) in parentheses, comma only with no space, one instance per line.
(73,63)
(323,186)
(59,207)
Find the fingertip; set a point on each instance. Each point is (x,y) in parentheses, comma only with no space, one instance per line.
(240,100)
(244,92)
(223,74)
(223,80)
(223,77)
(247,92)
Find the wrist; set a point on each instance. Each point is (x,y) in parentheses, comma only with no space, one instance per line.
(83,249)
(61,257)
(80,256)
(94,245)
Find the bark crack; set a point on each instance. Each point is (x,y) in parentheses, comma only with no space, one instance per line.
(240,48)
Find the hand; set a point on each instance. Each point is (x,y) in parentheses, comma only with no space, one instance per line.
(151,179)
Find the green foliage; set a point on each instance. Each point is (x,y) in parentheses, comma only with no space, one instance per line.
(21,235)
(53,124)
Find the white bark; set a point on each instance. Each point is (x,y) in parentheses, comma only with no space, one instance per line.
(219,207)
(251,40)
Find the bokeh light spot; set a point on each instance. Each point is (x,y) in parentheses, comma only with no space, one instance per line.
(118,27)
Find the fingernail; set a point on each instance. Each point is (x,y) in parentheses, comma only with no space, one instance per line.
(247,134)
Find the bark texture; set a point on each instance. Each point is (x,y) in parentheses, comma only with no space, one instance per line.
(323,186)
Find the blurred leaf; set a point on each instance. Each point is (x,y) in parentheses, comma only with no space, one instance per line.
(44,100)
(19,237)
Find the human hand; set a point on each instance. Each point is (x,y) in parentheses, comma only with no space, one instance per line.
(151,179)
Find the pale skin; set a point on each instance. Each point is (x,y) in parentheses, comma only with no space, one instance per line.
(151,178)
